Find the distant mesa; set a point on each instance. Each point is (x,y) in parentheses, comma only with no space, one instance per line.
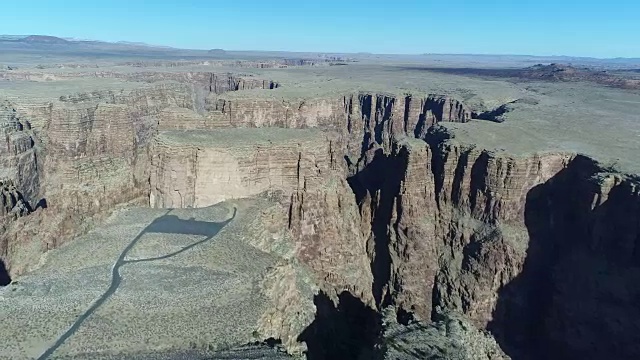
(553,72)
(43,39)
(217,52)
(552,69)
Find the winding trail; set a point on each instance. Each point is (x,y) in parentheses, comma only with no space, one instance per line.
(116,279)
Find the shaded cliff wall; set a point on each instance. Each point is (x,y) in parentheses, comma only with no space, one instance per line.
(575,295)
(336,226)
(541,250)
(18,155)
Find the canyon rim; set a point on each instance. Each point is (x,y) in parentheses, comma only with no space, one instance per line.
(249,205)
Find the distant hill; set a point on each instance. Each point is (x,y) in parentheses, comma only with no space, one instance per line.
(43,39)
(216,52)
(74,47)
(548,72)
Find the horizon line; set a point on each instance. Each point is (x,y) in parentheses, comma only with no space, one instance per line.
(169,47)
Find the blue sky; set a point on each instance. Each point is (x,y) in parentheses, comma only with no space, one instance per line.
(538,27)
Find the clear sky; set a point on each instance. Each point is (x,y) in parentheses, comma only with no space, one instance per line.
(604,28)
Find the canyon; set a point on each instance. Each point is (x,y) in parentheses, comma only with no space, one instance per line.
(372,221)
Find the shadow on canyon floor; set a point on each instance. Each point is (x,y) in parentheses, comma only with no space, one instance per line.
(349,330)
(5,279)
(577,295)
(166,224)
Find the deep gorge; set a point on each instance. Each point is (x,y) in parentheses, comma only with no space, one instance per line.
(384,206)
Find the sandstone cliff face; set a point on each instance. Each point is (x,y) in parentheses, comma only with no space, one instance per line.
(411,113)
(457,218)
(322,206)
(198,169)
(95,159)
(76,158)
(456,228)
(328,240)
(18,159)
(193,169)
(541,250)
(574,296)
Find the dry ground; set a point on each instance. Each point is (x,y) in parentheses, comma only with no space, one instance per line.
(204,299)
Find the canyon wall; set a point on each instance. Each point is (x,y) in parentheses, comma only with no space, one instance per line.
(217,83)
(198,172)
(18,159)
(382,203)
(450,227)
(514,243)
(412,113)
(574,296)
(78,158)
(197,169)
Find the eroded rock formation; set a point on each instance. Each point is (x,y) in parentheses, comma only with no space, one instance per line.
(382,206)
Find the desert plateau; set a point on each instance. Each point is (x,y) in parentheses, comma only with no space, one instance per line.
(160,203)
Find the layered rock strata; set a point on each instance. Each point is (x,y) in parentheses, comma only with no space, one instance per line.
(447,226)
(202,168)
(217,83)
(18,156)
(382,204)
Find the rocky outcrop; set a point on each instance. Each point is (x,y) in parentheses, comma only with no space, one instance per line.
(12,207)
(328,240)
(18,156)
(450,336)
(12,203)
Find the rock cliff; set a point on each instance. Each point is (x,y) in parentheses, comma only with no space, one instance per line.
(574,295)
(18,156)
(202,168)
(381,204)
(439,225)
(448,226)
(76,158)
